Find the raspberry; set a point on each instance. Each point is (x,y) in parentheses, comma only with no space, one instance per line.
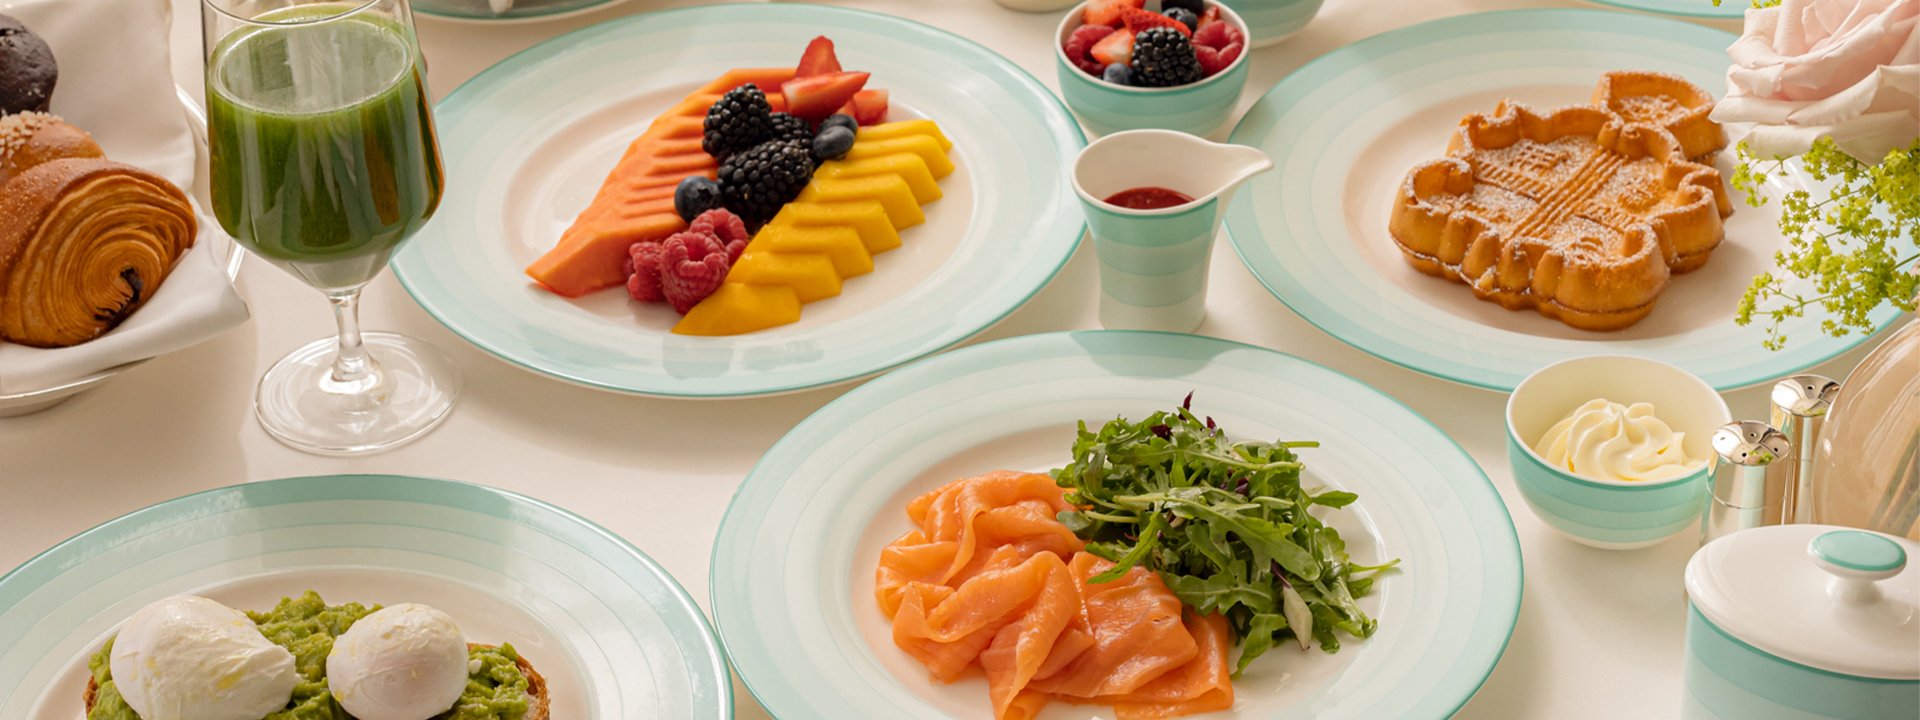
(1218,36)
(1213,61)
(692,266)
(1140,21)
(725,226)
(643,279)
(1083,40)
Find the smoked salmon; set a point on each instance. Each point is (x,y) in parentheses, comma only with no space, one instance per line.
(991,579)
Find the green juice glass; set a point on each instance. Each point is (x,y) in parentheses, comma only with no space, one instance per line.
(324,161)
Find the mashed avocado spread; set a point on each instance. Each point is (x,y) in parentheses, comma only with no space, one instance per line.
(306,627)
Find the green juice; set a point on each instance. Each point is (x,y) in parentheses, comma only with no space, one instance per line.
(323,150)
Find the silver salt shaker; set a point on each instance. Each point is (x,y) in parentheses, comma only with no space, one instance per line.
(1800,405)
(1746,490)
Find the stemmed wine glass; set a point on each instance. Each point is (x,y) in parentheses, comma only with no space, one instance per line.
(324,160)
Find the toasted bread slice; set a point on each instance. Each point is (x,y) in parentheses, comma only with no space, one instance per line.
(538,703)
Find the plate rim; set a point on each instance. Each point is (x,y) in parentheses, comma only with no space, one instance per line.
(1727,10)
(905,376)
(1831,347)
(683,599)
(518,61)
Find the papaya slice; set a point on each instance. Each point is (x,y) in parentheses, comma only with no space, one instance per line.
(635,202)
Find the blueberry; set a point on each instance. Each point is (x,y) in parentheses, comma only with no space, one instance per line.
(1193,6)
(832,143)
(840,120)
(1185,17)
(1118,74)
(695,195)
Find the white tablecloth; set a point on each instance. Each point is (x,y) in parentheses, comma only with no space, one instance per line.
(1599,634)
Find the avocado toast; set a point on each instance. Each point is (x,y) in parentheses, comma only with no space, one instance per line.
(500,685)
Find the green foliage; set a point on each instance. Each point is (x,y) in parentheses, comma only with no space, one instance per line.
(1857,245)
(1226,525)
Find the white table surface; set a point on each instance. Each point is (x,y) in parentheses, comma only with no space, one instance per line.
(1599,635)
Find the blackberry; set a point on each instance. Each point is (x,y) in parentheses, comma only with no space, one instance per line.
(1193,6)
(789,127)
(740,120)
(1162,57)
(755,184)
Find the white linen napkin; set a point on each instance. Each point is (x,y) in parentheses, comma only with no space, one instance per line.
(116,82)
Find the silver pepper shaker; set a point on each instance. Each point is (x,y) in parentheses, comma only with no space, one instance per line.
(1800,405)
(1744,494)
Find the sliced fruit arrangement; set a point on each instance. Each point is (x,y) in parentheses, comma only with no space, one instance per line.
(1124,43)
(853,209)
(739,142)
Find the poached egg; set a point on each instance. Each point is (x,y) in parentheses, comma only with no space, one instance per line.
(405,662)
(190,658)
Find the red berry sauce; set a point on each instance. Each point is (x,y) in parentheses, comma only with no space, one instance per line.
(1148,198)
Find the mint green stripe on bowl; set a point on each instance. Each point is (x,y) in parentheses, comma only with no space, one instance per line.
(1727,678)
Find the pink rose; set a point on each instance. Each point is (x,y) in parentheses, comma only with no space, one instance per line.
(1846,69)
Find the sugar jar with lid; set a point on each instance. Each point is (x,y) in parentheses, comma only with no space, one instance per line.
(1802,622)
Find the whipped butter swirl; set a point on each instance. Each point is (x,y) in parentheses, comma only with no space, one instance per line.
(1606,440)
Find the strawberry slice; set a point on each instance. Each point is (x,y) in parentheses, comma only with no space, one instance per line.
(818,59)
(1115,48)
(1107,12)
(814,98)
(1138,20)
(870,107)
(1080,41)
(1211,16)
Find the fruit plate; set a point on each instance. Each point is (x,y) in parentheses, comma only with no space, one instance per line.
(1344,130)
(529,141)
(612,632)
(793,566)
(1686,8)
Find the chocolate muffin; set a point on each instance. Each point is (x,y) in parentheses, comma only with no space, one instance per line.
(27,70)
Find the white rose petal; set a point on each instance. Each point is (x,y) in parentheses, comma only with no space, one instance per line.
(1845,69)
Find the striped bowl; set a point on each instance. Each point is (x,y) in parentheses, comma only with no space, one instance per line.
(1197,108)
(1612,514)
(1270,21)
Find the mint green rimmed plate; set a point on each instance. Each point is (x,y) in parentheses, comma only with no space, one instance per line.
(794,564)
(520,10)
(1733,9)
(528,142)
(611,631)
(1344,130)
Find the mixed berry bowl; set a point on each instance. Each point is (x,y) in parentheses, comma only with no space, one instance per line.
(1165,64)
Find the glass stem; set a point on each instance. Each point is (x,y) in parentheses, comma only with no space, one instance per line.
(354,372)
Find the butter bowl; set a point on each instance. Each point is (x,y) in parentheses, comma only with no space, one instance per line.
(1197,108)
(1605,512)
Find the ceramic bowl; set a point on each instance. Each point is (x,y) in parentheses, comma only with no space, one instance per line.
(1270,21)
(1197,108)
(1612,514)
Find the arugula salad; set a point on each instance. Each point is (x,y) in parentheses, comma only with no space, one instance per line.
(1226,525)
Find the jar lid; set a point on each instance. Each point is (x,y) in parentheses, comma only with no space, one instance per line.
(1832,598)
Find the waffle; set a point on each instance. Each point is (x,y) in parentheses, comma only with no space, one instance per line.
(1582,213)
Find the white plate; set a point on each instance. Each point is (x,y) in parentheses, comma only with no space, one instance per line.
(793,568)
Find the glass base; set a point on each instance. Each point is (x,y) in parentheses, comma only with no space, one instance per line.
(415,390)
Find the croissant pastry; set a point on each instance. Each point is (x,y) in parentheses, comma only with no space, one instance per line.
(84,242)
(30,138)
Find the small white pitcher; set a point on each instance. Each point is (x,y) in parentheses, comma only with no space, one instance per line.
(1153,263)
